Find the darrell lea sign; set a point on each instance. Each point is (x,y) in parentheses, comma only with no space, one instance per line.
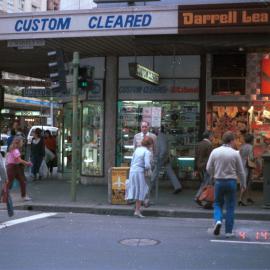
(94,23)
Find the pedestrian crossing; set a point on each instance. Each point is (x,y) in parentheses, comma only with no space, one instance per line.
(13,222)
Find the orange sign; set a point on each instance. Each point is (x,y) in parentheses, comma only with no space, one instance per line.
(265,87)
(119,177)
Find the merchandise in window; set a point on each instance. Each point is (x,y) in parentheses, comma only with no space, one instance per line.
(181,122)
(92,139)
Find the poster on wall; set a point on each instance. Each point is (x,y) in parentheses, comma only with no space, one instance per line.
(156,116)
(152,115)
(147,115)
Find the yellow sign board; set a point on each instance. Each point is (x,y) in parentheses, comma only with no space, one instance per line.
(119,177)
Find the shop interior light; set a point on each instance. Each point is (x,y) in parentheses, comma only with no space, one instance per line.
(137,102)
(127,157)
(186,158)
(128,146)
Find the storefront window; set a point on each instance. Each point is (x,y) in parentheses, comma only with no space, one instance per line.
(181,122)
(66,138)
(92,139)
(228,74)
(228,117)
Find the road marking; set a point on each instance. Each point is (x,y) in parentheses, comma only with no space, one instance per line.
(25,219)
(240,242)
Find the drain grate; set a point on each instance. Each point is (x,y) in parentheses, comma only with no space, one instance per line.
(139,242)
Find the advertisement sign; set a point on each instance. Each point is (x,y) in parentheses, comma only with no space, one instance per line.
(178,89)
(216,18)
(119,177)
(143,73)
(94,22)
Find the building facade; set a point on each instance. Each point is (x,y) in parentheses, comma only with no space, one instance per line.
(209,60)
(14,6)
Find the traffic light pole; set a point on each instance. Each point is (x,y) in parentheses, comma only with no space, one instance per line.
(76,63)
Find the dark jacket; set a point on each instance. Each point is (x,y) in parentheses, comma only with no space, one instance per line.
(38,150)
(203,150)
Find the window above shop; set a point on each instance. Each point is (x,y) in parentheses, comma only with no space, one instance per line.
(228,74)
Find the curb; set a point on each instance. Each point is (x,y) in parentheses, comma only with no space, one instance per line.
(120,211)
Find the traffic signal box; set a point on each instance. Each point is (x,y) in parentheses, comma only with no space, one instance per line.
(86,78)
(57,73)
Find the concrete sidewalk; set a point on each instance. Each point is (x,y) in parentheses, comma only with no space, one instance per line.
(53,194)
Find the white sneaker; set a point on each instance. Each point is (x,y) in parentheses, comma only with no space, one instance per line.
(229,235)
(27,198)
(138,214)
(217,228)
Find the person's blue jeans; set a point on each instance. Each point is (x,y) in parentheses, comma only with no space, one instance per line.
(225,191)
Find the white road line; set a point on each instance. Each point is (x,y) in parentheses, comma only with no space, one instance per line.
(240,242)
(25,219)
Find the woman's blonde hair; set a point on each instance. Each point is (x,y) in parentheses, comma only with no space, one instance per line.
(16,144)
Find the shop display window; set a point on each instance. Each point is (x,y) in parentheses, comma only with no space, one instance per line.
(181,122)
(66,138)
(229,117)
(92,139)
(259,119)
(228,74)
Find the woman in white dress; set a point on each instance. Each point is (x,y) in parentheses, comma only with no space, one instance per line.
(140,165)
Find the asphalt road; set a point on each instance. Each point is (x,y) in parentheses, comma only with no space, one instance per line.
(83,241)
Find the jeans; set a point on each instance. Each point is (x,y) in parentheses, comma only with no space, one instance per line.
(225,191)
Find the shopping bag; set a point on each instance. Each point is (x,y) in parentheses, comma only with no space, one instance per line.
(207,194)
(43,170)
(49,155)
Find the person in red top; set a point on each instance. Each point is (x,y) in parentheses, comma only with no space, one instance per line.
(50,150)
(15,170)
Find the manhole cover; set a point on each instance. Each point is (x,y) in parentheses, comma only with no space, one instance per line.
(139,242)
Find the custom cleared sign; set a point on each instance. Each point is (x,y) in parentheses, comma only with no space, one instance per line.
(237,18)
(142,73)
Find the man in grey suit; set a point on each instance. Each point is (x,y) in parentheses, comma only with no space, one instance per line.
(162,159)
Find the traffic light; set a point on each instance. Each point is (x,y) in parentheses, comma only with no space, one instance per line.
(86,78)
(57,73)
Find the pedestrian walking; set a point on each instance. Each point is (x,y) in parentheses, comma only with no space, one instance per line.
(15,166)
(162,159)
(4,191)
(140,166)
(137,142)
(37,152)
(10,138)
(225,166)
(50,150)
(202,153)
(246,153)
(3,173)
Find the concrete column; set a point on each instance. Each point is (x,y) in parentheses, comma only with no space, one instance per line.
(111,84)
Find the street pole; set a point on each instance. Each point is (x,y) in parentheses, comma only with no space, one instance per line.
(76,62)
(51,109)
